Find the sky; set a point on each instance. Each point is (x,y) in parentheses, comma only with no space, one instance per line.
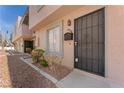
(8,16)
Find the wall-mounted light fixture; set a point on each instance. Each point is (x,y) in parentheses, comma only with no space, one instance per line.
(33,32)
(69,22)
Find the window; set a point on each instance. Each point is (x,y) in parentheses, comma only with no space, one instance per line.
(55,40)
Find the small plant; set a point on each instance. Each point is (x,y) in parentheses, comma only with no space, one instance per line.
(34,55)
(37,54)
(44,63)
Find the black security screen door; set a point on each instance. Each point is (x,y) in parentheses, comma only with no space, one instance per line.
(89,42)
(28,44)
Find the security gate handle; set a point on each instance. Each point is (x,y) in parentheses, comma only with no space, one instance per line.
(75,43)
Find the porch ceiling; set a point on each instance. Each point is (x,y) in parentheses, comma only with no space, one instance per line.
(62,11)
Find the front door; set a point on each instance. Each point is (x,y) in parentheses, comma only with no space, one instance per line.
(28,45)
(89,42)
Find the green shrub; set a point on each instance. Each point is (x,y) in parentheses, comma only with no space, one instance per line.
(44,63)
(37,54)
(40,52)
(34,58)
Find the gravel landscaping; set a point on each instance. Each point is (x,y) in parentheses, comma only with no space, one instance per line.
(17,74)
(56,70)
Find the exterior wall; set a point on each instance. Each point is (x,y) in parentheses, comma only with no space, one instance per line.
(114,47)
(24,30)
(16,32)
(42,38)
(42,14)
(21,33)
(115,43)
(20,45)
(18,22)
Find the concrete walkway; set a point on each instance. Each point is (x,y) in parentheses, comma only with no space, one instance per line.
(78,80)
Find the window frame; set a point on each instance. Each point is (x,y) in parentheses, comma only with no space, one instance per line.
(60,25)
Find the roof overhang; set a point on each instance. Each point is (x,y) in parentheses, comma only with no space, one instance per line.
(60,12)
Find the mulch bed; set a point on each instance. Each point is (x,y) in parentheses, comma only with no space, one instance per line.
(58,71)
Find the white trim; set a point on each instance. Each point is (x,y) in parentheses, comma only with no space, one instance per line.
(52,26)
(105,33)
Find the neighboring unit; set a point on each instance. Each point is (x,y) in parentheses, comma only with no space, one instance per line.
(22,37)
(89,38)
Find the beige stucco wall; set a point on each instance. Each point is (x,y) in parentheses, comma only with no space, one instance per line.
(16,30)
(114,35)
(19,45)
(115,42)
(42,38)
